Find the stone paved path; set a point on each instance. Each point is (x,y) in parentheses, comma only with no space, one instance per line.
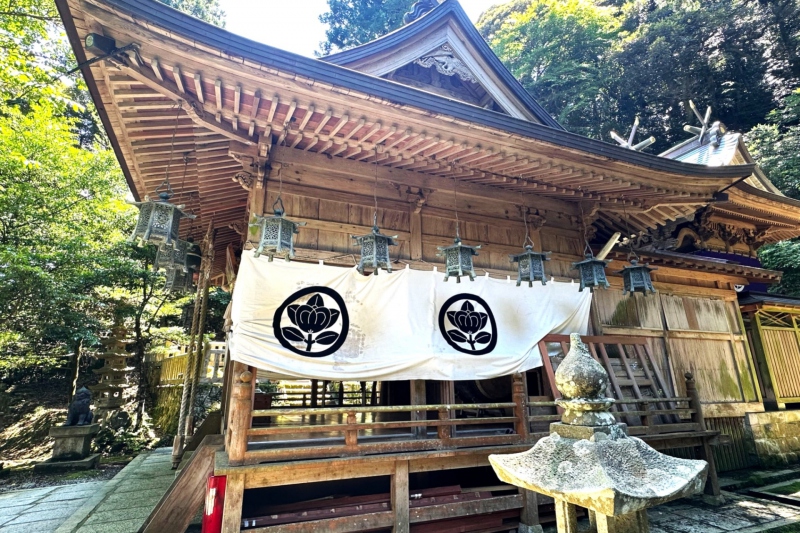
(43,510)
(125,501)
(742,514)
(739,514)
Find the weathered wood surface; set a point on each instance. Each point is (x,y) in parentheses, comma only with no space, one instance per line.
(179,505)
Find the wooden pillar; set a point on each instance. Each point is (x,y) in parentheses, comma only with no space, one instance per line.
(520,394)
(529,518)
(704,451)
(314,390)
(240,413)
(232,508)
(373,395)
(400,491)
(363,387)
(447,395)
(418,398)
(566,517)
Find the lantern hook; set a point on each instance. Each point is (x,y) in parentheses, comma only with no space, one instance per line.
(281,210)
(528,241)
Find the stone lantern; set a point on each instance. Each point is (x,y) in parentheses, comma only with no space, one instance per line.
(375,250)
(589,461)
(592,272)
(530,266)
(277,233)
(636,278)
(458,260)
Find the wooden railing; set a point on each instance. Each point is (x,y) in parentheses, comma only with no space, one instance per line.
(173,368)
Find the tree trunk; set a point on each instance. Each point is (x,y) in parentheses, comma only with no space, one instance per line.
(74,370)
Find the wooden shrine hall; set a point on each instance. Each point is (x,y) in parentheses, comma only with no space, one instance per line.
(429,125)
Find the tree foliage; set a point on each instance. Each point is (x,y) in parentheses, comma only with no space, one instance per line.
(354,22)
(207,10)
(559,50)
(66,270)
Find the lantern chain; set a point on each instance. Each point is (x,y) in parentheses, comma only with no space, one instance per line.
(631,251)
(279,200)
(587,249)
(527,233)
(167,188)
(375,191)
(455,201)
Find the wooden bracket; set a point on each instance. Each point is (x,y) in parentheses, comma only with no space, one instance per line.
(193,107)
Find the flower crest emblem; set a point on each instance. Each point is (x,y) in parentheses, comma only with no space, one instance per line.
(318,329)
(470,330)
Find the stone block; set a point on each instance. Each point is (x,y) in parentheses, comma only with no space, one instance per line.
(52,467)
(72,442)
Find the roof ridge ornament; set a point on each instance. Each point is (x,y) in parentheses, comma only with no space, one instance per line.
(715,131)
(629,143)
(418,9)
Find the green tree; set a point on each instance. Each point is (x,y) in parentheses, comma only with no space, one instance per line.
(207,10)
(776,148)
(559,50)
(711,52)
(354,22)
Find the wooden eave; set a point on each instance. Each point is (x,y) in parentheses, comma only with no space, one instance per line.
(230,93)
(776,216)
(687,262)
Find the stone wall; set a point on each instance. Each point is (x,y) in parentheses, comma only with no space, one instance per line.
(776,436)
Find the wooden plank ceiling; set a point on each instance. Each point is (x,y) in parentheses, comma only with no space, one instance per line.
(216,99)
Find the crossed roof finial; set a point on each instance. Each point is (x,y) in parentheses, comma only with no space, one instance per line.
(629,143)
(704,121)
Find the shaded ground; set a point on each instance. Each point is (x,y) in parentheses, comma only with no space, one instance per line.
(26,413)
(21,479)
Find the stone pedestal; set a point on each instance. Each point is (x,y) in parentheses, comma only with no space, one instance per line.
(72,442)
(71,449)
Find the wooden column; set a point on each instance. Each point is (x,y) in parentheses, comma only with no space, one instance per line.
(314,390)
(704,451)
(520,395)
(232,508)
(447,395)
(400,492)
(529,519)
(240,413)
(418,398)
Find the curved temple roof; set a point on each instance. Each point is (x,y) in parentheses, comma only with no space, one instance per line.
(235,92)
(447,11)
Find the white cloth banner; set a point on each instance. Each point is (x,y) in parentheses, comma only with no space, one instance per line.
(314,321)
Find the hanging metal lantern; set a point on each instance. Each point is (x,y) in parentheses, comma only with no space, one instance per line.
(458,260)
(172,257)
(375,250)
(179,281)
(592,272)
(636,278)
(194,255)
(159,221)
(277,233)
(530,266)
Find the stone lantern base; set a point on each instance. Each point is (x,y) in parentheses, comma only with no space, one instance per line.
(71,449)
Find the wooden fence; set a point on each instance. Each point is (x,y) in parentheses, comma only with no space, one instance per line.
(780,338)
(173,368)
